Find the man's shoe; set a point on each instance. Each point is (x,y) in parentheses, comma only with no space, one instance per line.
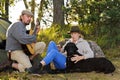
(34,69)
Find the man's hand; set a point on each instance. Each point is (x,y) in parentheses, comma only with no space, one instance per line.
(37,29)
(77,58)
(37,26)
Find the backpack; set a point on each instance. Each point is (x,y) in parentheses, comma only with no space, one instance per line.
(96,49)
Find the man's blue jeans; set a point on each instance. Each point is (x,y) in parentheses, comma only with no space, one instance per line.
(54,55)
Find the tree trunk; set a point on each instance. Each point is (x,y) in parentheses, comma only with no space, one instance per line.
(33,10)
(58,13)
(25,3)
(6,9)
(40,10)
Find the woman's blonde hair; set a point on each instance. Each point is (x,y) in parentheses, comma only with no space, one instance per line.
(81,35)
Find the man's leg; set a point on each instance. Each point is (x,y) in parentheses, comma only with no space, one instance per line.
(22,60)
(39,48)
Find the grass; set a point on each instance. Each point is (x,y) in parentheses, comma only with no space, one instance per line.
(69,76)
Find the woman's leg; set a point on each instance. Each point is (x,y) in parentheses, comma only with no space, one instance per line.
(54,55)
(58,59)
(52,45)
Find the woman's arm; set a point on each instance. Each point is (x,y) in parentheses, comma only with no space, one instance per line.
(77,58)
(85,50)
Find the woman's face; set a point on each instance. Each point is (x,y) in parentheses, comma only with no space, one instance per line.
(75,36)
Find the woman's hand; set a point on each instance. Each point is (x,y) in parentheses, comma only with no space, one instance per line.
(59,47)
(77,58)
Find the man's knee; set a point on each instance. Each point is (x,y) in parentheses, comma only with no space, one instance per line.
(39,47)
(43,44)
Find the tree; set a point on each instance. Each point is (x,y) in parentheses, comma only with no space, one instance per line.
(4,9)
(58,12)
(7,9)
(99,19)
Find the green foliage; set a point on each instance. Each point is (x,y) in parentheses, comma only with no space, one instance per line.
(110,29)
(100,20)
(54,33)
(2,7)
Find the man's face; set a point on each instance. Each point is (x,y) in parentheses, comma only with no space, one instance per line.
(26,19)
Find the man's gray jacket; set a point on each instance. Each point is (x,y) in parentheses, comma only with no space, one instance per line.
(16,35)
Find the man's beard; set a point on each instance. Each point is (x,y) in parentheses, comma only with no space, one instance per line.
(26,23)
